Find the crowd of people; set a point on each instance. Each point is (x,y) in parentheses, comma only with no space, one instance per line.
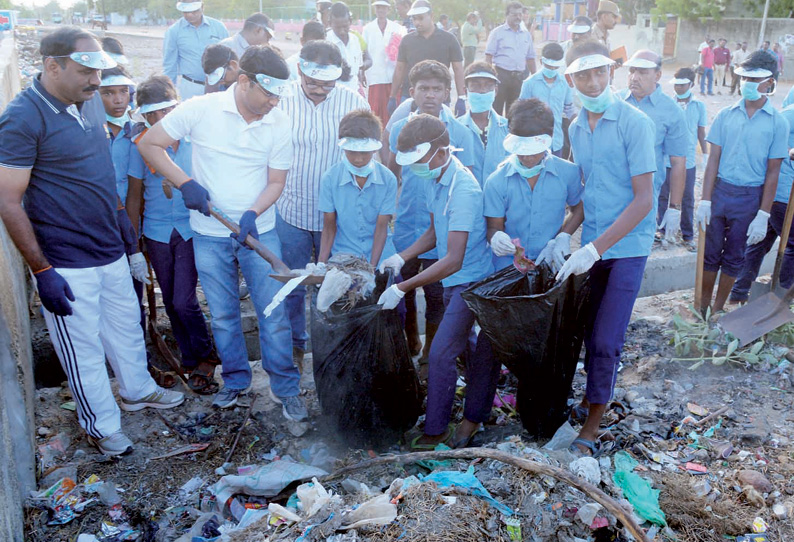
(354,146)
(717,64)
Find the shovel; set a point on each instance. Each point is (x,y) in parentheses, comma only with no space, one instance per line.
(758,289)
(759,317)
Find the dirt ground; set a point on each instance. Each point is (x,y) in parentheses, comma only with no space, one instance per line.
(661,401)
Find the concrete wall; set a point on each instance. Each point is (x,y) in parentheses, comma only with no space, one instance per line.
(17,456)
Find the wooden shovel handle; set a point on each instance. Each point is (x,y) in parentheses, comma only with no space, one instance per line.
(274,261)
(784,233)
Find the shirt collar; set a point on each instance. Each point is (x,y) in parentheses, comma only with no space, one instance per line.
(184,22)
(493,117)
(54,103)
(449,174)
(242,41)
(550,167)
(229,105)
(767,107)
(652,97)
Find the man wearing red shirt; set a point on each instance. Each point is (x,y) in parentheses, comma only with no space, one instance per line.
(707,63)
(722,59)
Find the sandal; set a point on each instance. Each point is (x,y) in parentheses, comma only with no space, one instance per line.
(415,445)
(463,442)
(596,447)
(202,378)
(164,379)
(578,414)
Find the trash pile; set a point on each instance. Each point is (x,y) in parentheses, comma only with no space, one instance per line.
(27,42)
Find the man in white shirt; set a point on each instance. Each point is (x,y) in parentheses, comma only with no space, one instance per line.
(240,163)
(737,57)
(348,43)
(383,39)
(317,103)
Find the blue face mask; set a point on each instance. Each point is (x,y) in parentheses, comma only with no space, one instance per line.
(362,171)
(524,171)
(423,171)
(685,95)
(600,103)
(750,90)
(481,102)
(119,121)
(548,72)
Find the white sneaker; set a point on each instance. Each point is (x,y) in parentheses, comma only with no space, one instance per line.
(115,444)
(162,398)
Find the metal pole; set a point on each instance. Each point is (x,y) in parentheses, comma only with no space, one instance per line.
(763,25)
(260,6)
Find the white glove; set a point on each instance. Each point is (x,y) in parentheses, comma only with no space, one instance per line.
(703,214)
(139,269)
(562,248)
(580,262)
(501,245)
(757,229)
(391,297)
(704,160)
(671,223)
(395,263)
(546,255)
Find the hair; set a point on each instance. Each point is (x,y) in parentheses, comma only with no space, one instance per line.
(430,69)
(118,70)
(360,124)
(479,66)
(156,89)
(112,45)
(216,56)
(313,30)
(443,17)
(470,14)
(257,20)
(585,48)
(685,73)
(326,53)
(63,42)
(423,128)
(514,5)
(761,60)
(340,10)
(553,51)
(264,59)
(582,20)
(530,117)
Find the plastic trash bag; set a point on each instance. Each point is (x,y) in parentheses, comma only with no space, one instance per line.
(536,327)
(467,480)
(637,490)
(265,481)
(376,511)
(366,382)
(335,285)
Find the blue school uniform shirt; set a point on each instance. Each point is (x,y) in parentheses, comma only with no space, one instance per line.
(536,215)
(620,147)
(557,95)
(184,44)
(456,202)
(489,154)
(357,209)
(412,218)
(671,132)
(787,167)
(748,143)
(695,115)
(120,146)
(789,99)
(161,216)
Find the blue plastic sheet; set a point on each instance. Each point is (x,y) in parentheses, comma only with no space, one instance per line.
(466,480)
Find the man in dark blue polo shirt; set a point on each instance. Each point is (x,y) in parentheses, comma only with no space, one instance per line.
(54,159)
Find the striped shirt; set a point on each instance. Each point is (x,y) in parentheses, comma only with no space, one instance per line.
(315,130)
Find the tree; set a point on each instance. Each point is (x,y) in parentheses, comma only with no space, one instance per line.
(629,9)
(777,8)
(689,9)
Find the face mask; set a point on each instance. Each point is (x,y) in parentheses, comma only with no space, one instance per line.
(524,171)
(481,102)
(685,95)
(750,90)
(362,171)
(146,123)
(600,103)
(423,171)
(119,121)
(548,72)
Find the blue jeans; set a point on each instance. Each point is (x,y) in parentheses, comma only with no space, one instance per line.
(299,248)
(687,203)
(754,256)
(707,73)
(217,263)
(614,285)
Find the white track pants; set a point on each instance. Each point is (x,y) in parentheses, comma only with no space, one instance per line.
(106,322)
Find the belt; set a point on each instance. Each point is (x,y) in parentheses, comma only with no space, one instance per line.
(186,78)
(520,72)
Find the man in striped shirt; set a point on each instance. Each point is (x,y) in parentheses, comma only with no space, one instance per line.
(316,107)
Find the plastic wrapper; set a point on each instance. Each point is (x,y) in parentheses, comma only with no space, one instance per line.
(365,379)
(536,327)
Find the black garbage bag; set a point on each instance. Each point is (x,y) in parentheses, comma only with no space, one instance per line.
(536,328)
(365,379)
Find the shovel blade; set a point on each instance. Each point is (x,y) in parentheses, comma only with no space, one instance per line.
(756,319)
(759,289)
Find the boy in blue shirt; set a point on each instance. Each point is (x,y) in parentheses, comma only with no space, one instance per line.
(169,239)
(696,120)
(358,196)
(457,230)
(487,126)
(525,198)
(613,145)
(748,143)
(430,86)
(550,88)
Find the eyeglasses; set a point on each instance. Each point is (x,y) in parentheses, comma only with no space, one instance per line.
(313,84)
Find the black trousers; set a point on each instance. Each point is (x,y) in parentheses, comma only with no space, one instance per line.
(509,89)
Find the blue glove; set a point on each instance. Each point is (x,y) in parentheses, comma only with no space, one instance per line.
(391,106)
(54,292)
(247,227)
(127,232)
(196,197)
(460,107)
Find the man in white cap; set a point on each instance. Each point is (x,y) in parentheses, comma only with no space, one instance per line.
(240,163)
(607,18)
(672,135)
(580,29)
(381,36)
(257,29)
(183,45)
(55,159)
